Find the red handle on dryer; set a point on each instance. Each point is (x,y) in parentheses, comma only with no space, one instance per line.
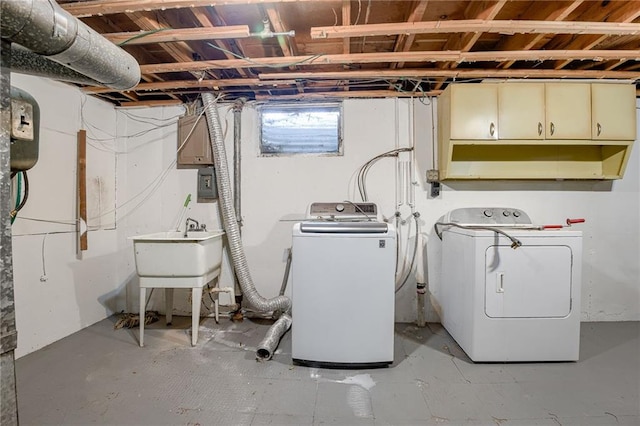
(572,221)
(552,226)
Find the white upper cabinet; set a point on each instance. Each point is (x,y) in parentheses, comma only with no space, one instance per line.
(568,111)
(536,130)
(521,111)
(614,111)
(474,112)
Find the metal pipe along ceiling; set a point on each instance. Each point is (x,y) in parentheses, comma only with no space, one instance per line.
(46,29)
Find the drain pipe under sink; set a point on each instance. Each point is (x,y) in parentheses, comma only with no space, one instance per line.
(230,223)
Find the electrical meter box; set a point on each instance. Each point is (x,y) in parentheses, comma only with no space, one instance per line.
(196,149)
(25,130)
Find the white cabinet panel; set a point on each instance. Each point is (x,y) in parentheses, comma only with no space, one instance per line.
(568,111)
(474,112)
(521,111)
(614,112)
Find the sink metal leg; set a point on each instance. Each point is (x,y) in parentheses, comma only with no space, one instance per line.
(196,301)
(143,298)
(168,304)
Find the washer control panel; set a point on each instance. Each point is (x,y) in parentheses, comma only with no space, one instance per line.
(343,211)
(489,216)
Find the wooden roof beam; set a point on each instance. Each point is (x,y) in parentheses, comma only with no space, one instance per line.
(204,17)
(405,41)
(346,42)
(346,20)
(280,27)
(191,84)
(85,9)
(456,73)
(508,27)
(475,10)
(351,94)
(625,13)
(387,57)
(156,103)
(168,35)
(548,12)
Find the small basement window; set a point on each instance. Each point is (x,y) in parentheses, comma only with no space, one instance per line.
(301,129)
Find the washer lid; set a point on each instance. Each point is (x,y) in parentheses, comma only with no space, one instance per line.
(329,227)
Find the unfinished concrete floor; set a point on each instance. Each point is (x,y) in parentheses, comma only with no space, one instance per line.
(101,375)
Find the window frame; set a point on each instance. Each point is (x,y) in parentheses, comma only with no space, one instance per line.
(301,106)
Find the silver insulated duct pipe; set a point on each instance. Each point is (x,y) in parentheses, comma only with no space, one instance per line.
(279,303)
(261,304)
(43,27)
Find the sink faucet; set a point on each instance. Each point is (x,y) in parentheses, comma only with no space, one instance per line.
(194,228)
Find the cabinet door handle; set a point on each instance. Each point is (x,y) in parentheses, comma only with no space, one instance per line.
(552,128)
(492,129)
(599,127)
(539,128)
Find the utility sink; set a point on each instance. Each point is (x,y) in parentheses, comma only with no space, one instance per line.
(171,254)
(172,260)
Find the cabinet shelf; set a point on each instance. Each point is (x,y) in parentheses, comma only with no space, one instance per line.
(539,161)
(535,130)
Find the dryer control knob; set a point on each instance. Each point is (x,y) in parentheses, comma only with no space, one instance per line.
(516,213)
(488,213)
(339,207)
(506,213)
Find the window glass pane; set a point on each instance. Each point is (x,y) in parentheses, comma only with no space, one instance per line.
(300,129)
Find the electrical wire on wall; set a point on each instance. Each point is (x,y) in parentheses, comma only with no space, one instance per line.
(143,195)
(21,198)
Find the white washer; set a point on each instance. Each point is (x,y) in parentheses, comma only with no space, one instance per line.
(343,282)
(503,304)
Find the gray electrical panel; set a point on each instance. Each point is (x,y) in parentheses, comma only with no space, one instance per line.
(25,130)
(207,186)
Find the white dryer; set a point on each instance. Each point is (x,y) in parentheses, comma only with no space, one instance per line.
(343,282)
(502,303)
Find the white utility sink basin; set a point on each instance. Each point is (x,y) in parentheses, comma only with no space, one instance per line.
(171,254)
(170,260)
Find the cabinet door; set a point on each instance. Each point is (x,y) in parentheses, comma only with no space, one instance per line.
(521,111)
(614,111)
(474,111)
(568,111)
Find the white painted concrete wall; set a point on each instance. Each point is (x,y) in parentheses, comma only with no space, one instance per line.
(276,191)
(75,291)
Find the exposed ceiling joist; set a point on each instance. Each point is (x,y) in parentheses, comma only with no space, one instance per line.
(387,57)
(547,12)
(628,12)
(479,26)
(109,7)
(165,35)
(192,84)
(192,45)
(405,41)
(456,73)
(359,94)
(155,103)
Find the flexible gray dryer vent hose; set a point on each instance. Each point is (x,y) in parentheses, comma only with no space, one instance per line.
(261,304)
